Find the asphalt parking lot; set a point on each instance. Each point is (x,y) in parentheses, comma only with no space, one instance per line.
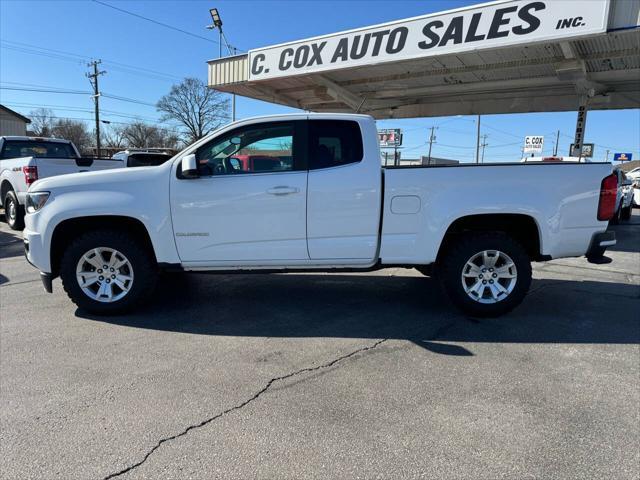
(324,376)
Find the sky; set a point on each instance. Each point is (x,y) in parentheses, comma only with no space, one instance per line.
(45,45)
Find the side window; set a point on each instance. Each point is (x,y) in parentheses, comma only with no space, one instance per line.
(261,148)
(334,143)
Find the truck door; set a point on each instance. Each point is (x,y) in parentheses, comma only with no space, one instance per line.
(344,189)
(244,213)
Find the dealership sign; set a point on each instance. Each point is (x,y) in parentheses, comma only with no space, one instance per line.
(533,144)
(390,137)
(490,25)
(587,150)
(622,157)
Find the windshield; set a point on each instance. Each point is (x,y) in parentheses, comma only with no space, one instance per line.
(36,148)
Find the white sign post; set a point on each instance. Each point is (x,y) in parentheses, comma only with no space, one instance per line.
(491,25)
(533,144)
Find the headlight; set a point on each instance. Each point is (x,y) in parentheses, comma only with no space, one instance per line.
(36,200)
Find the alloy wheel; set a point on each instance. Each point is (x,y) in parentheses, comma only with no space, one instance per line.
(489,276)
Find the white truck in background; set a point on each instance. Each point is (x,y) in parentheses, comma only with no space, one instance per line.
(136,157)
(314,197)
(23,160)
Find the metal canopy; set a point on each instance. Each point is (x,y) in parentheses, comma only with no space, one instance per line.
(535,76)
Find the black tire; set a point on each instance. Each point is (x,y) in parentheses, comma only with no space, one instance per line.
(461,250)
(617,216)
(145,271)
(13,211)
(626,213)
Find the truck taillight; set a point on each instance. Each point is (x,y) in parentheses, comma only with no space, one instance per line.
(608,193)
(30,174)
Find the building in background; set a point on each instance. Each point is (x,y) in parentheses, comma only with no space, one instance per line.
(12,123)
(628,166)
(424,160)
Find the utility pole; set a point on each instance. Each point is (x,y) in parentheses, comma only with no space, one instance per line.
(93,78)
(606,159)
(478,142)
(555,148)
(484,144)
(432,139)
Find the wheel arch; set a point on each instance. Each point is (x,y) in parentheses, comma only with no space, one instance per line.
(69,229)
(523,228)
(5,187)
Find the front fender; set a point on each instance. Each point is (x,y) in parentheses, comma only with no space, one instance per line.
(153,212)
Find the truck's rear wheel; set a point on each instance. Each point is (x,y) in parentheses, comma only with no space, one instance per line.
(485,274)
(626,213)
(617,216)
(107,272)
(13,211)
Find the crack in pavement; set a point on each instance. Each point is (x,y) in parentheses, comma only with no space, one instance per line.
(244,404)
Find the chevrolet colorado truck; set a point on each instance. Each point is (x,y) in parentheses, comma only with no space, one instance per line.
(25,159)
(327,205)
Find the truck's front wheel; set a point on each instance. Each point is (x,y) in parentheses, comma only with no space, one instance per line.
(107,272)
(485,274)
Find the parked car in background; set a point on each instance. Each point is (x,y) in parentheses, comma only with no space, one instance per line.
(107,234)
(624,197)
(23,160)
(634,174)
(253,163)
(142,158)
(636,193)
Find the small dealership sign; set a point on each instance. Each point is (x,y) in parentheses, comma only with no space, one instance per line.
(390,137)
(491,25)
(587,150)
(622,157)
(533,144)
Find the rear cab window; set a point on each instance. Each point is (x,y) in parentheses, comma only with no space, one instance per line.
(36,148)
(333,143)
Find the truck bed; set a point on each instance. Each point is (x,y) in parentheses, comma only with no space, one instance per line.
(422,202)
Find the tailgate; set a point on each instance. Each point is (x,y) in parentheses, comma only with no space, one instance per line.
(51,167)
(95,164)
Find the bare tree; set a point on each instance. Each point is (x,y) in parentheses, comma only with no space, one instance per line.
(114,137)
(142,135)
(42,122)
(196,107)
(73,130)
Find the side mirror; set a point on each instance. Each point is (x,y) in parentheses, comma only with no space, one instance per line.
(189,166)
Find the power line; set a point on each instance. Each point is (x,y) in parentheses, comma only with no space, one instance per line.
(605,146)
(126,99)
(71,108)
(82,119)
(69,56)
(23,84)
(156,22)
(68,92)
(45,89)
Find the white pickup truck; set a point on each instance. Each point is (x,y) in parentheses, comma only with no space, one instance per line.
(23,160)
(307,192)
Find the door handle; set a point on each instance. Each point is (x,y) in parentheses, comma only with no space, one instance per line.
(282,190)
